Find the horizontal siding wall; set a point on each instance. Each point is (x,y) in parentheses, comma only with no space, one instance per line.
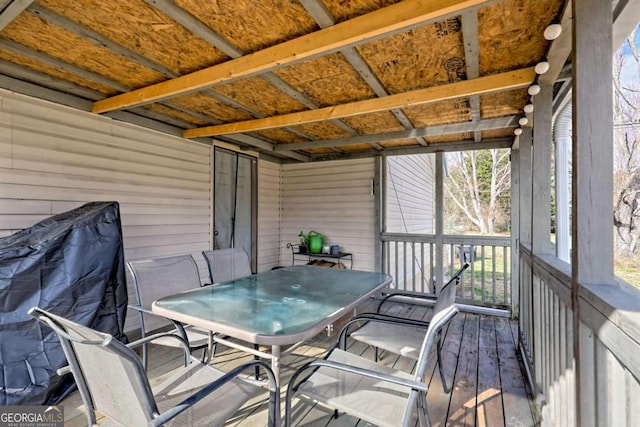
(409,209)
(53,159)
(269,181)
(335,199)
(410,196)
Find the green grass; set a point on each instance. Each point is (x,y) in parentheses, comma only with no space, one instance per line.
(629,270)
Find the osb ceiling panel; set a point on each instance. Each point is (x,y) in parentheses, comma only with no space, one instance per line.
(211,107)
(402,63)
(322,130)
(327,80)
(143,29)
(440,113)
(252,25)
(256,93)
(428,56)
(342,10)
(503,103)
(33,32)
(374,123)
(54,72)
(510,33)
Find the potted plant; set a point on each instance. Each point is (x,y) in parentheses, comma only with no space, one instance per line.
(304,243)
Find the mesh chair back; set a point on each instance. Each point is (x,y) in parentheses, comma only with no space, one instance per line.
(443,311)
(159,277)
(110,371)
(227,264)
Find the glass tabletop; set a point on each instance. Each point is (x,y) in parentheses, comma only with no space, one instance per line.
(286,301)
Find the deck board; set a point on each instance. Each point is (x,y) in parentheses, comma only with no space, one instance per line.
(479,357)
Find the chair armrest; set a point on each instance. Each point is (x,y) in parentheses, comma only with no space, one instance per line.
(274,394)
(150,338)
(177,325)
(293,387)
(375,317)
(418,295)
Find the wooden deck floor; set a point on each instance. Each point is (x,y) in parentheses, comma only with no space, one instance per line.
(479,353)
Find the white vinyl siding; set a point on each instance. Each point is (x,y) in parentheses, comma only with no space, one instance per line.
(409,209)
(410,194)
(269,182)
(335,199)
(54,158)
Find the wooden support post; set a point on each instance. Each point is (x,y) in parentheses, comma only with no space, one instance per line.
(378,202)
(592,189)
(525,185)
(541,174)
(439,220)
(515,234)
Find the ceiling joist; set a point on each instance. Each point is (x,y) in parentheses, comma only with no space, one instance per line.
(488,124)
(382,22)
(482,85)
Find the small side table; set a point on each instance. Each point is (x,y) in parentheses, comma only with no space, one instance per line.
(307,257)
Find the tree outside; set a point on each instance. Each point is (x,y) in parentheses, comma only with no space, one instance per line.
(478,191)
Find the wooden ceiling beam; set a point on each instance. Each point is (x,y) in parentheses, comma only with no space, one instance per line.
(12,10)
(482,85)
(382,22)
(452,128)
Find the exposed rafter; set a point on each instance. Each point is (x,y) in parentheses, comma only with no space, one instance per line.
(382,22)
(470,39)
(12,10)
(323,18)
(559,50)
(500,123)
(488,84)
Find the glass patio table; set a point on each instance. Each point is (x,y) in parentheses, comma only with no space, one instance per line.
(282,307)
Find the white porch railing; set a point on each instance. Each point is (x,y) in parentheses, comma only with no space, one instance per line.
(410,259)
(609,345)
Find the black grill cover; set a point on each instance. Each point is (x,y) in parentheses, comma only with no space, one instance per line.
(71,264)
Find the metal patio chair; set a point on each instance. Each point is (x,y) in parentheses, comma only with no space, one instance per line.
(395,334)
(112,381)
(371,391)
(227,264)
(158,277)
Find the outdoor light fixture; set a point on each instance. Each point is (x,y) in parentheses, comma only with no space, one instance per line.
(517,131)
(542,67)
(528,108)
(534,90)
(523,121)
(553,31)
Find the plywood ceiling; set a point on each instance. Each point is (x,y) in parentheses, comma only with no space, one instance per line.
(296,80)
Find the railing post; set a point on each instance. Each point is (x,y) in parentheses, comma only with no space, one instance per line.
(439,220)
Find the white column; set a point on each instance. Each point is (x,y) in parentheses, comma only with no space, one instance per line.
(562,141)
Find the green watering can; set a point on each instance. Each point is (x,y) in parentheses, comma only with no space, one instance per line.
(315,242)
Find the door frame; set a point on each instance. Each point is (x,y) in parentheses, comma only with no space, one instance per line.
(254,197)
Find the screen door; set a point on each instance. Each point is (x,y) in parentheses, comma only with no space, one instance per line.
(235,202)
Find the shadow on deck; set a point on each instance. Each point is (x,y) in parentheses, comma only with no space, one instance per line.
(479,352)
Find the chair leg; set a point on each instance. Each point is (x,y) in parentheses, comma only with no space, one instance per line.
(257,368)
(423,412)
(375,355)
(445,387)
(335,414)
